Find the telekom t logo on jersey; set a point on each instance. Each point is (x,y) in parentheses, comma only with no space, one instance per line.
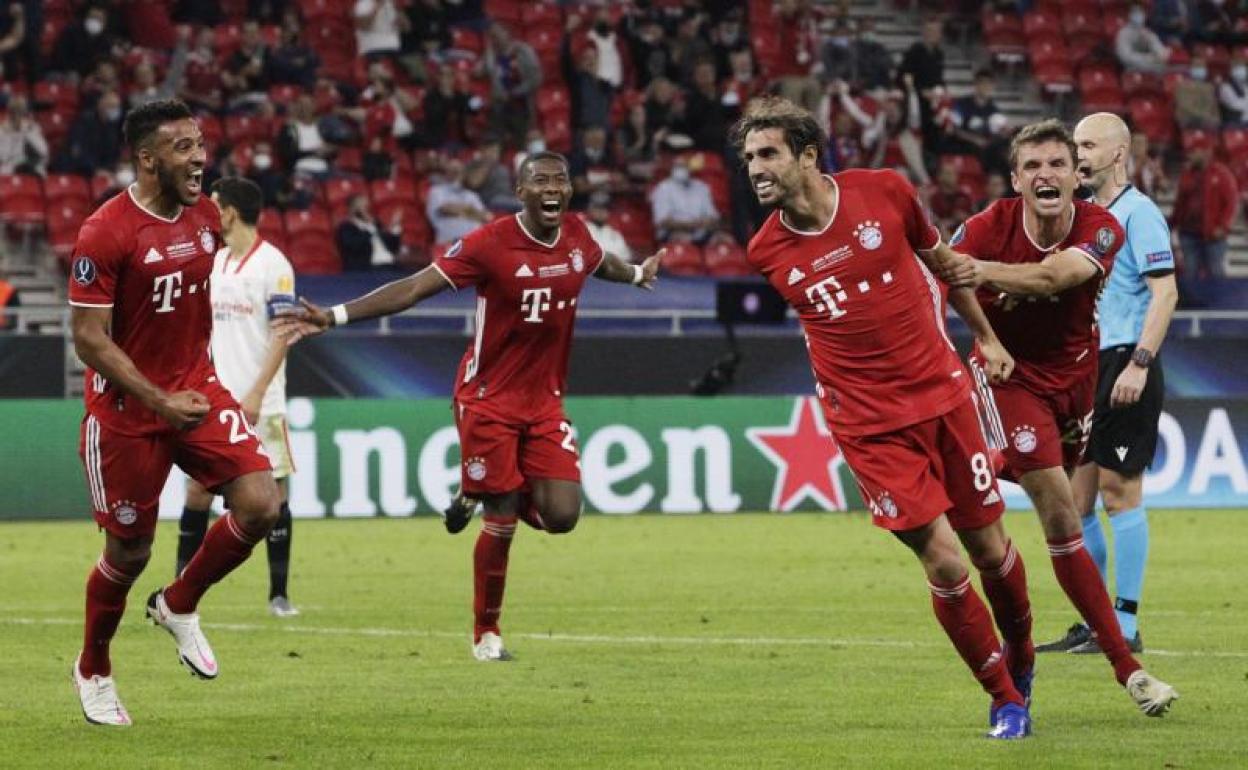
(533,303)
(165,289)
(827,293)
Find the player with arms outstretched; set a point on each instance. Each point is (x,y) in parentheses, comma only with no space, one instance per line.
(519,456)
(142,320)
(850,254)
(1039,261)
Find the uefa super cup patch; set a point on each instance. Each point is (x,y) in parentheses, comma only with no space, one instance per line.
(83,271)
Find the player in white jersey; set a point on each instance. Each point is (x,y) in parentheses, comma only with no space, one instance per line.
(250,279)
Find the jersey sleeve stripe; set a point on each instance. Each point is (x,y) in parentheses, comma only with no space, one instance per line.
(445,277)
(1099,267)
(89,304)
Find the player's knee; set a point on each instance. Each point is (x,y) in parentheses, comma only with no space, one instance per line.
(1120,493)
(561,517)
(258,512)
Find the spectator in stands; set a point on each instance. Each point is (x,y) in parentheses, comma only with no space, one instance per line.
(1145,167)
(635,142)
(388,110)
(837,51)
(94,138)
(597,220)
(146,24)
(12,38)
(270,180)
(301,145)
(426,37)
(924,62)
(103,78)
(454,210)
(688,46)
(979,127)
(682,207)
(203,13)
(490,178)
(1233,93)
(799,47)
(949,203)
(515,73)
(1138,47)
(378,27)
(873,63)
(447,108)
(363,244)
(592,166)
(23,150)
(727,37)
(292,61)
(864,120)
(996,187)
(591,95)
(1217,22)
(603,38)
(648,50)
(84,45)
(901,147)
(665,113)
(244,75)
(710,130)
(203,88)
(845,144)
(1195,98)
(1169,19)
(743,83)
(146,89)
(1204,210)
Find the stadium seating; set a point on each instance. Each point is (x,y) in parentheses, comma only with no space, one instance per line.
(1003,35)
(310,241)
(726,260)
(21,200)
(67,190)
(1099,88)
(683,259)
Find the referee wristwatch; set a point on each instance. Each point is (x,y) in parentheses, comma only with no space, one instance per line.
(1142,357)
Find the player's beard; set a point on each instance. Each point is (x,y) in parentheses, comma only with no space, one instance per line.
(170,186)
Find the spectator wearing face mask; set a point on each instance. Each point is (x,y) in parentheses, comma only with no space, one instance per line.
(23,149)
(682,207)
(301,144)
(592,167)
(454,210)
(597,220)
(363,244)
(1195,99)
(94,139)
(82,46)
(1233,93)
(1138,47)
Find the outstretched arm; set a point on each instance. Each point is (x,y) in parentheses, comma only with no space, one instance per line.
(612,268)
(998,363)
(394,297)
(1055,273)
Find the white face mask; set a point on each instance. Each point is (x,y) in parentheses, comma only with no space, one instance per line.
(124,177)
(94,26)
(1239,72)
(1136,17)
(262,162)
(680,174)
(1199,73)
(536,146)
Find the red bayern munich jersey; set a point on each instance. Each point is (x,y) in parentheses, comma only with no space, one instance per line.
(516,368)
(1054,339)
(871,311)
(153,272)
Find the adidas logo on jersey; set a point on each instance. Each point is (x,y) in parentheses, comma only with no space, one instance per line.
(992,499)
(795,275)
(151,256)
(1121,451)
(524,272)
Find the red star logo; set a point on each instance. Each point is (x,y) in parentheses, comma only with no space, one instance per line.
(806,457)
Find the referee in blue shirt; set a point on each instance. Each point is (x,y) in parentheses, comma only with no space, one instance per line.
(1135,308)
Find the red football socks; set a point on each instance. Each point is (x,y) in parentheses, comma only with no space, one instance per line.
(1079,578)
(225,547)
(489,572)
(1005,585)
(965,619)
(107,586)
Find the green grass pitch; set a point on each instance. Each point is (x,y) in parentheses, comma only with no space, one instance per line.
(655,641)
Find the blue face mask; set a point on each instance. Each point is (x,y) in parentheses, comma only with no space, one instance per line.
(1199,73)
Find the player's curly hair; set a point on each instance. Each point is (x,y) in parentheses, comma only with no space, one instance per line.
(143,121)
(1051,130)
(800,128)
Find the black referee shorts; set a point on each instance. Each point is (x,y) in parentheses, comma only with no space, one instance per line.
(1125,439)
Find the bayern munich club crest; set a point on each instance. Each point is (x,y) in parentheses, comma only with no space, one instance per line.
(207,242)
(125,513)
(869,235)
(578,260)
(475,468)
(887,506)
(1024,438)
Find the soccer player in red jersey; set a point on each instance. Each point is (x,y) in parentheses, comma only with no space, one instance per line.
(519,455)
(1039,261)
(142,321)
(851,254)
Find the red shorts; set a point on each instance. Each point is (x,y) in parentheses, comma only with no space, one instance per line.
(497,457)
(911,476)
(1049,431)
(125,474)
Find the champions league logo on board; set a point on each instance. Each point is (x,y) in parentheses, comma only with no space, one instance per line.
(869,235)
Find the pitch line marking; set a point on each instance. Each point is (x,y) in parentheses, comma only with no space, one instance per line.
(739,641)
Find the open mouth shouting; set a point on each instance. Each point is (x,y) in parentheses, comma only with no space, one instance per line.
(1047,192)
(195,182)
(551,206)
(764,187)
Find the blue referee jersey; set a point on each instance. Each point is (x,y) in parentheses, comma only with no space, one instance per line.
(1125,298)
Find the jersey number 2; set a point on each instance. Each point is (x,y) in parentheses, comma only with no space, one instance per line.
(240,428)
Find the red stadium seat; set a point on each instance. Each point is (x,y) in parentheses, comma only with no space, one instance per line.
(272,228)
(463,39)
(67,190)
(21,200)
(727,259)
(1195,136)
(385,191)
(633,222)
(56,95)
(101,183)
(552,98)
(1141,84)
(1003,35)
(417,233)
(557,129)
(541,14)
(63,221)
(1154,117)
(340,189)
(1083,19)
(310,242)
(1235,143)
(55,126)
(683,259)
(1041,22)
(1099,89)
(507,11)
(1217,57)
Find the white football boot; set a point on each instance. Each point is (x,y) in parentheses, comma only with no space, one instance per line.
(490,648)
(193,649)
(100,704)
(1152,695)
